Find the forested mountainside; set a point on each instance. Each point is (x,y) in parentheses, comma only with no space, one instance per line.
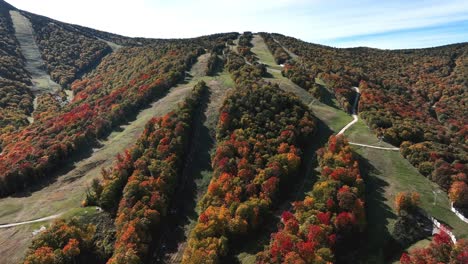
(66,52)
(227,148)
(16,102)
(122,83)
(415,99)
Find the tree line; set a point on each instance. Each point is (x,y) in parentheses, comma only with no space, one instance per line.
(324,227)
(16,101)
(410,98)
(123,83)
(261,134)
(135,191)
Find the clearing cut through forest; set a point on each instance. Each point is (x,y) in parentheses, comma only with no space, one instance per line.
(197,173)
(41,81)
(67,190)
(245,251)
(355,119)
(386,172)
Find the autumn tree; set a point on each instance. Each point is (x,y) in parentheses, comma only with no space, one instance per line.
(406,201)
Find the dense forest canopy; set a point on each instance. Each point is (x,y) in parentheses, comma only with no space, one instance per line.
(415,99)
(275,170)
(16,102)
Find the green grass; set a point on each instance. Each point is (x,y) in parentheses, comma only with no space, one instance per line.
(246,258)
(264,55)
(10,208)
(320,81)
(80,212)
(400,175)
(65,194)
(223,77)
(420,244)
(335,119)
(386,172)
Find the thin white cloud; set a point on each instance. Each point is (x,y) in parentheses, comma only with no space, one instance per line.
(404,41)
(319,21)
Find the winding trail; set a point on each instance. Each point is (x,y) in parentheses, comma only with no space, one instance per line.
(355,119)
(354,114)
(392,172)
(51,217)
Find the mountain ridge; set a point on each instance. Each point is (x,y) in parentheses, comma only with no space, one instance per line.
(257,116)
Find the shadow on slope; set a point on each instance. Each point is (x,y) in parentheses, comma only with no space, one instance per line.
(244,248)
(378,244)
(182,210)
(86,151)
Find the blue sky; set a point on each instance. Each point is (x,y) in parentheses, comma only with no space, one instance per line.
(380,24)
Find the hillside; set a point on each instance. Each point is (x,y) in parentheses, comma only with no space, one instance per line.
(227,148)
(415,100)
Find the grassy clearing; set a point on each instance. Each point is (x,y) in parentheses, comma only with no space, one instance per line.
(263,53)
(65,193)
(80,212)
(10,208)
(400,175)
(335,119)
(34,64)
(420,244)
(386,172)
(245,253)
(197,172)
(15,241)
(361,133)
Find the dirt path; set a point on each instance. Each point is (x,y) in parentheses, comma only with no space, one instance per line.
(375,147)
(114,46)
(32,221)
(291,54)
(355,119)
(354,114)
(389,173)
(67,190)
(42,83)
